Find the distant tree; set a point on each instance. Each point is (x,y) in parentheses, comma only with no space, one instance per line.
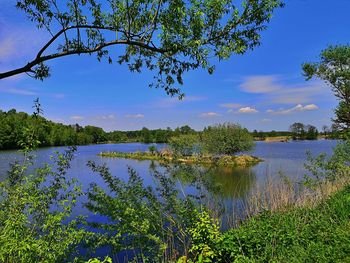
(226,138)
(169,37)
(273,133)
(326,131)
(261,136)
(298,131)
(311,132)
(98,134)
(186,129)
(334,69)
(146,135)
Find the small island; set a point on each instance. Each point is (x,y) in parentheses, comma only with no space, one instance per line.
(216,145)
(163,156)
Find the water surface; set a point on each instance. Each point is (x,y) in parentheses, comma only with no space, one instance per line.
(234,183)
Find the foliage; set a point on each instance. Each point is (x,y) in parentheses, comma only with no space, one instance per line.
(35,207)
(226,138)
(168,37)
(300,131)
(152,149)
(319,234)
(323,167)
(185,145)
(204,236)
(15,126)
(151,223)
(96,260)
(334,69)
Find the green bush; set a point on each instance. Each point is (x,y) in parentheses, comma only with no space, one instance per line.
(34,210)
(152,149)
(184,145)
(226,138)
(320,234)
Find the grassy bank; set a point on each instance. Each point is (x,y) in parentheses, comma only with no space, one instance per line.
(314,234)
(225,160)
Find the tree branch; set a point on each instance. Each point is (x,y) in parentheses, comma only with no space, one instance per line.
(39,59)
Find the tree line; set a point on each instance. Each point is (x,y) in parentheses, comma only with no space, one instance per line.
(13,131)
(49,133)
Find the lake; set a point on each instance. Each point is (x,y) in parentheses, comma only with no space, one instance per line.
(235,183)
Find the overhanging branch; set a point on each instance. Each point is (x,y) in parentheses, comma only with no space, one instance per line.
(40,58)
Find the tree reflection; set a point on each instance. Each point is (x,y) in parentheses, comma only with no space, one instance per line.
(234,182)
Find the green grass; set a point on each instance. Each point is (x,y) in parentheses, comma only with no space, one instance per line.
(319,234)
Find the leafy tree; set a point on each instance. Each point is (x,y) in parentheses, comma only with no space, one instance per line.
(145,133)
(334,69)
(97,134)
(226,138)
(311,132)
(186,129)
(169,37)
(326,131)
(298,131)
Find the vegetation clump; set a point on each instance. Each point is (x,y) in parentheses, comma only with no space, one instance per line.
(227,138)
(225,160)
(333,68)
(319,234)
(215,146)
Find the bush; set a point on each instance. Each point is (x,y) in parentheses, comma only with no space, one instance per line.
(152,149)
(184,145)
(34,210)
(319,234)
(226,138)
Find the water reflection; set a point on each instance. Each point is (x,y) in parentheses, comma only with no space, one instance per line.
(226,182)
(234,182)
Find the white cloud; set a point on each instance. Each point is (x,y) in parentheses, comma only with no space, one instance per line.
(311,107)
(265,120)
(260,84)
(230,105)
(209,114)
(272,89)
(135,116)
(247,110)
(297,108)
(76,118)
(17,91)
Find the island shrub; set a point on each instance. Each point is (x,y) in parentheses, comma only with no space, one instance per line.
(185,145)
(152,149)
(227,138)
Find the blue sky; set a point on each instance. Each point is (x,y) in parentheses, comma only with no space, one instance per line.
(263,89)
